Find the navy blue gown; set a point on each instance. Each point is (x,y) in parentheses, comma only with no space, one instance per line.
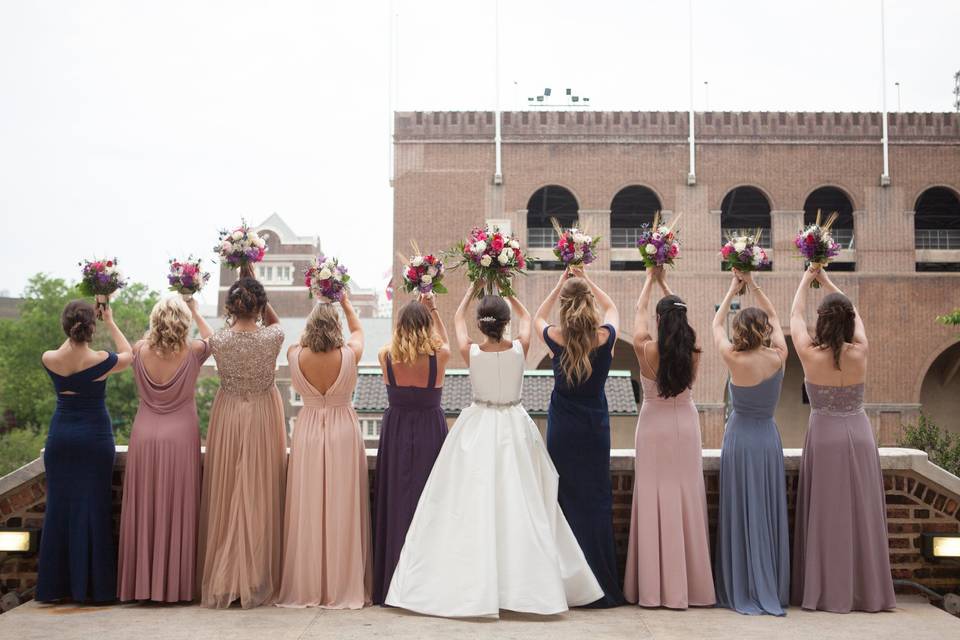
(578,439)
(77,550)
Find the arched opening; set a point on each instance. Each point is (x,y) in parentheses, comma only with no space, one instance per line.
(793,410)
(631,208)
(745,209)
(551,201)
(936,225)
(940,390)
(828,200)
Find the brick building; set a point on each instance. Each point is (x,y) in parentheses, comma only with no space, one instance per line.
(613,170)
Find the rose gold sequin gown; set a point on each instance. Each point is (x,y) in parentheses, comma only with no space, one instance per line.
(241,508)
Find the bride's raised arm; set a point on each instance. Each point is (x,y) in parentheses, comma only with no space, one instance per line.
(460,324)
(525,322)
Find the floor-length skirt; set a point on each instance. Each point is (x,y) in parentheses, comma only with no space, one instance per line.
(241,521)
(488,533)
(841,559)
(161,505)
(668,557)
(77,548)
(752,561)
(327,560)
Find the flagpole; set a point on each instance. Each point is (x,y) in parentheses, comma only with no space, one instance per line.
(692,174)
(391,81)
(885,176)
(498,171)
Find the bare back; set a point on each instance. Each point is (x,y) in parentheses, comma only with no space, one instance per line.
(649,356)
(819,367)
(415,374)
(162,367)
(321,369)
(750,368)
(68,360)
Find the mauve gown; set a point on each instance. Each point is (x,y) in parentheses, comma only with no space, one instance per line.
(241,505)
(752,564)
(668,558)
(77,551)
(161,488)
(326,528)
(578,439)
(841,558)
(411,437)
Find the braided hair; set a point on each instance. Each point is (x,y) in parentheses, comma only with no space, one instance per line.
(579,320)
(835,325)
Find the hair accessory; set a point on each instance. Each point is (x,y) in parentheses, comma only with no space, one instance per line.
(487,319)
(679,304)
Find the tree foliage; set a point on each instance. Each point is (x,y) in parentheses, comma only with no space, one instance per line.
(941,446)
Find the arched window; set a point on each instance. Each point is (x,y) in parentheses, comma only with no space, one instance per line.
(827,200)
(552,201)
(936,225)
(632,207)
(745,208)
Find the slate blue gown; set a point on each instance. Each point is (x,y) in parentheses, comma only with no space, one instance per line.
(578,440)
(77,550)
(752,560)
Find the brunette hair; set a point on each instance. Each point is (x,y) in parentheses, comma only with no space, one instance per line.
(246,298)
(169,325)
(676,344)
(493,316)
(835,324)
(413,334)
(579,320)
(79,320)
(751,329)
(323,331)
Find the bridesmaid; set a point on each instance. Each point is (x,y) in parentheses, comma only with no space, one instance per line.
(752,562)
(578,421)
(668,558)
(326,528)
(241,507)
(414,427)
(161,486)
(77,551)
(840,494)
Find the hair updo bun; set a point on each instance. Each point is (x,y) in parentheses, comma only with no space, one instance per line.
(493,316)
(246,299)
(79,321)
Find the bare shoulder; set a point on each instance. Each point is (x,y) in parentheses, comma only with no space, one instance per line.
(554,333)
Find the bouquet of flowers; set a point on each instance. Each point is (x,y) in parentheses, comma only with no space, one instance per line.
(743,252)
(491,257)
(326,279)
(574,247)
(186,277)
(99,279)
(658,243)
(816,245)
(241,246)
(423,273)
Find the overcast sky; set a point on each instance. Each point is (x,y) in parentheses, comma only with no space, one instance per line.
(138,128)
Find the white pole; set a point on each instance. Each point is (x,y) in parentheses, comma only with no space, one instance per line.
(498,171)
(692,175)
(885,177)
(390,85)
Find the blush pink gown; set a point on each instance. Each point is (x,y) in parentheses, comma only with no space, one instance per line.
(326,553)
(161,488)
(668,558)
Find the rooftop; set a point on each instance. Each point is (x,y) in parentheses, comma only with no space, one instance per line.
(914,619)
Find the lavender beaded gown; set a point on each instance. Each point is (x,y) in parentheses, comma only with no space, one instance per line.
(841,559)
(752,561)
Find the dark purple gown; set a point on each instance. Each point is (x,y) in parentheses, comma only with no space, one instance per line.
(411,436)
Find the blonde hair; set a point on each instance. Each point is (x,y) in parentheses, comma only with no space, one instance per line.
(413,335)
(169,325)
(579,321)
(323,331)
(750,329)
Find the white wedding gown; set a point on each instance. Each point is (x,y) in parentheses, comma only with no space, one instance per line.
(488,533)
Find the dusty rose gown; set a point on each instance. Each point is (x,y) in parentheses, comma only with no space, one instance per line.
(161,488)
(668,558)
(241,509)
(326,530)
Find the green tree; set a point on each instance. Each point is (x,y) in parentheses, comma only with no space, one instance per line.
(941,446)
(206,391)
(20,446)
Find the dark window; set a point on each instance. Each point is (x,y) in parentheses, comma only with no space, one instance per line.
(632,207)
(828,200)
(747,209)
(937,226)
(549,202)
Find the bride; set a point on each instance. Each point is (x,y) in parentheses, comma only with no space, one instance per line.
(488,533)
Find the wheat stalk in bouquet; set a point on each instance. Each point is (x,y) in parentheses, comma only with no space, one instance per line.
(422,273)
(816,245)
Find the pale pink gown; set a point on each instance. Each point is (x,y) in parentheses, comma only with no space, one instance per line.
(668,558)
(327,558)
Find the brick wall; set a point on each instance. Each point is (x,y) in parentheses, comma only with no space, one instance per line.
(915,505)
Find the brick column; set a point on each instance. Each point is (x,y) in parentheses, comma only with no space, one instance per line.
(785,225)
(597,223)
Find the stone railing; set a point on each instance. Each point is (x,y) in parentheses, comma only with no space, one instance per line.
(921,498)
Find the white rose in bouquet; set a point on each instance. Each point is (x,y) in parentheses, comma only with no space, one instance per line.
(479,247)
(485,261)
(324,273)
(417,261)
(650,249)
(514,244)
(426,278)
(504,257)
(739,246)
(237,235)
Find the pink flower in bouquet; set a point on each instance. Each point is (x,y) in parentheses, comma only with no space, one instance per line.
(423,274)
(492,257)
(187,277)
(326,279)
(658,243)
(241,246)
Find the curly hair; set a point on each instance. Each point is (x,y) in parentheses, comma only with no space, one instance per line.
(246,299)
(169,326)
(835,325)
(79,320)
(323,331)
(579,321)
(676,343)
(493,316)
(751,329)
(413,334)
